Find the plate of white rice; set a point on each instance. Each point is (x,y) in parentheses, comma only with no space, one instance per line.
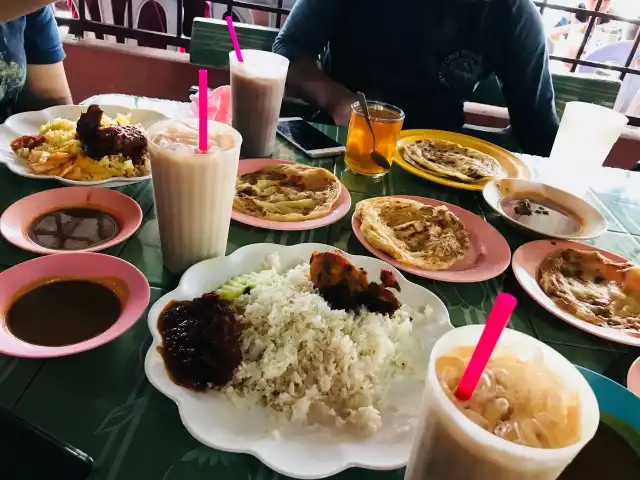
(57,124)
(319,390)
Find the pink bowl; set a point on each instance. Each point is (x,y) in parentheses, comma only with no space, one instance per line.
(339,209)
(16,220)
(633,377)
(77,266)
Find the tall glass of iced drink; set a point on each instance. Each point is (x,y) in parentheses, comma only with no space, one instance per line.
(257,88)
(194,190)
(529,416)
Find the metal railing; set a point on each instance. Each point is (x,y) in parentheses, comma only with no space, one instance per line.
(594,15)
(81,25)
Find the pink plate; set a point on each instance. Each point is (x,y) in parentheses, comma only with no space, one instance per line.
(487,258)
(339,209)
(16,220)
(633,377)
(525,264)
(76,265)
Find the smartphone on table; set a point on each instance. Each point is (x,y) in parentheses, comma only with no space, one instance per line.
(308,139)
(29,453)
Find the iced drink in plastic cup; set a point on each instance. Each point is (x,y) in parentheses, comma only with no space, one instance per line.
(530,415)
(586,135)
(257,88)
(193,190)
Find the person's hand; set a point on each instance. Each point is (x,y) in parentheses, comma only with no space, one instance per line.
(341,113)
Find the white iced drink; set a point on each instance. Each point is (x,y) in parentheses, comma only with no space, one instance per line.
(193,190)
(257,88)
(530,415)
(586,135)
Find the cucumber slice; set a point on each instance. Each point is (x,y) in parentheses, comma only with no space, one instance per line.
(243,284)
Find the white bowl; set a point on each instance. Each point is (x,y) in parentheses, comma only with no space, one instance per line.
(592,223)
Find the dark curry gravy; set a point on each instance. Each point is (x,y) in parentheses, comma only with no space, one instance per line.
(64,312)
(73,229)
(541,214)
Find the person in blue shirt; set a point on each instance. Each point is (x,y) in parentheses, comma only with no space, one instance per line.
(424,56)
(32,75)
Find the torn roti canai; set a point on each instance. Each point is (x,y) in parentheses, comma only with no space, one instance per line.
(431,238)
(593,288)
(287,193)
(452,160)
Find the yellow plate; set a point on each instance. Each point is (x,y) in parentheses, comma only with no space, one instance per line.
(512,165)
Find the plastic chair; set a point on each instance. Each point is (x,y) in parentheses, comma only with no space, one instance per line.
(170,8)
(106,13)
(617,54)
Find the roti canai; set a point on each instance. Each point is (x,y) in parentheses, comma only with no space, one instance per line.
(427,237)
(592,288)
(452,160)
(287,192)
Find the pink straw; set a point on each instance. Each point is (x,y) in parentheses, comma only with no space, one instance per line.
(203,100)
(234,39)
(497,321)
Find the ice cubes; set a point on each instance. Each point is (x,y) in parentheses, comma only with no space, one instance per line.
(522,401)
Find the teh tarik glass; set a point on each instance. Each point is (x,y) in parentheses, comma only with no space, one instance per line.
(386,121)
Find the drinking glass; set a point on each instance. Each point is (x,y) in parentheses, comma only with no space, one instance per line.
(386,121)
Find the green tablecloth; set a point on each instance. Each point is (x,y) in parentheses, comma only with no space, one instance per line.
(101,402)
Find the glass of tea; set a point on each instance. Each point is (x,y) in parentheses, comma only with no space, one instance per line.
(386,121)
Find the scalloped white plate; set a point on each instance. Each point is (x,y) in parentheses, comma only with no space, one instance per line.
(29,123)
(300,452)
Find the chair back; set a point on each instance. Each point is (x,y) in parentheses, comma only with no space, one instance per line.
(210,42)
(568,87)
(615,53)
(572,87)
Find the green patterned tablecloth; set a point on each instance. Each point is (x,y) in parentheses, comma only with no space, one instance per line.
(101,402)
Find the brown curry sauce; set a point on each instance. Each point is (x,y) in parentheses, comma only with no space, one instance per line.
(65,311)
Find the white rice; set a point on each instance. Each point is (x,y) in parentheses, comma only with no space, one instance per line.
(317,365)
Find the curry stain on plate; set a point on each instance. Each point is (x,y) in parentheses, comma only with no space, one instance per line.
(65,311)
(74,228)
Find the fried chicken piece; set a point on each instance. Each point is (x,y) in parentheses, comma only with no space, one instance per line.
(344,286)
(388,279)
(102,140)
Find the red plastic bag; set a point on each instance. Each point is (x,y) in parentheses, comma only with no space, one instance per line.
(219,104)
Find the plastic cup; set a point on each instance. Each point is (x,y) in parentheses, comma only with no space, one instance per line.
(193,190)
(257,88)
(586,136)
(449,445)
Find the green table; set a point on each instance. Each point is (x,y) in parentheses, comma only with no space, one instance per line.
(101,401)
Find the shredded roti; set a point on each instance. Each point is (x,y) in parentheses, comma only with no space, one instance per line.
(287,193)
(592,288)
(452,160)
(431,238)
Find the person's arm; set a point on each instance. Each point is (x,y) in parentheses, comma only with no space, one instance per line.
(521,63)
(308,29)
(12,9)
(46,83)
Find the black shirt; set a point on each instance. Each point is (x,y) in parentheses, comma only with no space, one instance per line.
(427,57)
